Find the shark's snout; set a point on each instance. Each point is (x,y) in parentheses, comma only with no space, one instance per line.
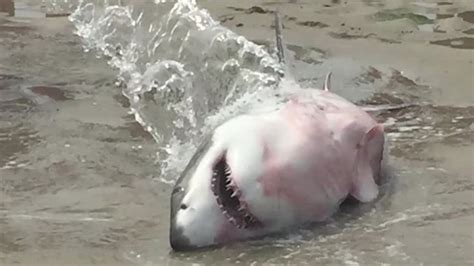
(178,240)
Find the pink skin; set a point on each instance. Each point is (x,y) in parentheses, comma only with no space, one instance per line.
(226,232)
(290,165)
(345,143)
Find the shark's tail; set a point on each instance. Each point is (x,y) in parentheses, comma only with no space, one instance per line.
(279,42)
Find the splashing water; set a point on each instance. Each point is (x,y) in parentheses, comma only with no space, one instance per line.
(183,72)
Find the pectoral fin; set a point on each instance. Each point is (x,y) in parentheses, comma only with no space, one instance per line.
(364,187)
(386,107)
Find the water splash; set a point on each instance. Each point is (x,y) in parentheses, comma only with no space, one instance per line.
(182,71)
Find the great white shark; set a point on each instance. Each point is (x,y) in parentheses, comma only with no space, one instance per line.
(265,172)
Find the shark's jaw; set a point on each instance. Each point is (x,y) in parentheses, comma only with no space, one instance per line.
(229,197)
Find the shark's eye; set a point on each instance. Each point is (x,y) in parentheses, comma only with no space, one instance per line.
(177,190)
(228,196)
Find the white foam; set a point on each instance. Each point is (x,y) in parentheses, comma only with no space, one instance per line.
(185,73)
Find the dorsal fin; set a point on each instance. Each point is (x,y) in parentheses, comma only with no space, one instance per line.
(327,82)
(279,42)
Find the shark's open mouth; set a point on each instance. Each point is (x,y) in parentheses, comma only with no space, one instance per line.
(228,197)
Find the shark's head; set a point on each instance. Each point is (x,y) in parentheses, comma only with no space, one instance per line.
(220,196)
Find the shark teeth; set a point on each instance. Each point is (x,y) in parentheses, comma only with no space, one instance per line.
(229,197)
(218,201)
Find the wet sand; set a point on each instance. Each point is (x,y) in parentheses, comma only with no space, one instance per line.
(344,31)
(73,164)
(78,178)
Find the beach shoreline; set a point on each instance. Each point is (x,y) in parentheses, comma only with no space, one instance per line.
(78,177)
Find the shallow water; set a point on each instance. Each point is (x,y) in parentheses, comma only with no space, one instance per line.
(82,182)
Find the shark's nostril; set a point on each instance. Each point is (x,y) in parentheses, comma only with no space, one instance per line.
(183,206)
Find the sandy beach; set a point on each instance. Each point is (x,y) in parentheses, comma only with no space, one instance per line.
(79,183)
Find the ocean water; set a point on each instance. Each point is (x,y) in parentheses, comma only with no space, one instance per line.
(98,126)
